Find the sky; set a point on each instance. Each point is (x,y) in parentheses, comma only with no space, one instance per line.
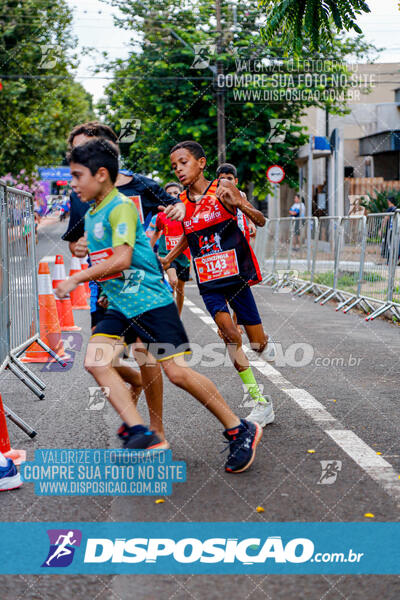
(94,27)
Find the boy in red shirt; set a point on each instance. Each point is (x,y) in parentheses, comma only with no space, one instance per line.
(169,233)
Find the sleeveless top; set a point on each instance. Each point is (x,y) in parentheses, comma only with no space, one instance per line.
(222,256)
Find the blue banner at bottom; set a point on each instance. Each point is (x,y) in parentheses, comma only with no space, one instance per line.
(191,548)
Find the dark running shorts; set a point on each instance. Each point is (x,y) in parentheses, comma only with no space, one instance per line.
(182,273)
(97,315)
(241,300)
(160,329)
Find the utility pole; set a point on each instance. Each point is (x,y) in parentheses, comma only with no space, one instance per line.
(220,92)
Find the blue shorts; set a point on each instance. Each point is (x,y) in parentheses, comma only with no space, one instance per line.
(240,299)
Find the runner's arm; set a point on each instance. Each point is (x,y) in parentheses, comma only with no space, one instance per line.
(155,237)
(79,248)
(120,260)
(230,196)
(252,213)
(123,220)
(175,252)
(252,227)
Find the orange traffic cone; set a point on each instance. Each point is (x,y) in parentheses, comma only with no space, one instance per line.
(78,295)
(84,266)
(64,305)
(50,331)
(18,456)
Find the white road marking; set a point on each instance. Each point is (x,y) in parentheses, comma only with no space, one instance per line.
(208,320)
(377,467)
(311,406)
(363,455)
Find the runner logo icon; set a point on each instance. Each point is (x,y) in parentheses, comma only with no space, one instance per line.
(62,547)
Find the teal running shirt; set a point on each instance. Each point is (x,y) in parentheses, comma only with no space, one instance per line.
(114,222)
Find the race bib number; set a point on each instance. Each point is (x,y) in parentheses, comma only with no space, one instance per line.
(138,203)
(171,241)
(216,266)
(98,257)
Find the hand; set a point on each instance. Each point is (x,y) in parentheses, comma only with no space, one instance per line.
(103,301)
(227,192)
(164,262)
(65,287)
(81,247)
(252,228)
(175,212)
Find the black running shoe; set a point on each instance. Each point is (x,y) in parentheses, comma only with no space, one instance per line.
(146,440)
(242,442)
(123,432)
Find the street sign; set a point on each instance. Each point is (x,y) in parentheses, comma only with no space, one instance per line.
(275,174)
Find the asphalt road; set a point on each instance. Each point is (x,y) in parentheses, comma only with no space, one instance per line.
(335,386)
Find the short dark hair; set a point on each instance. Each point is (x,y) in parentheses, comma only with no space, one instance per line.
(93,129)
(193,147)
(228,169)
(94,154)
(173,184)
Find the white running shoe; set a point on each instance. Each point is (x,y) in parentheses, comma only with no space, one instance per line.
(262,413)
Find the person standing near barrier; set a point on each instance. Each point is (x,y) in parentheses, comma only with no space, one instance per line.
(386,229)
(297,210)
(225,264)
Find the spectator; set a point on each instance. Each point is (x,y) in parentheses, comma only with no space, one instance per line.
(297,210)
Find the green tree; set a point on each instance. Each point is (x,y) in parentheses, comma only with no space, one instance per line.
(299,20)
(159,85)
(39,99)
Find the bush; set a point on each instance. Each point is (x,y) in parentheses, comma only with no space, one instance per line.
(379,203)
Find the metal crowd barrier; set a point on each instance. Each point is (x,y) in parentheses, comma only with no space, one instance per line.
(351,259)
(19,303)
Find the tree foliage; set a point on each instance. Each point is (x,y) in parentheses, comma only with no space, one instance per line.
(39,99)
(297,20)
(162,86)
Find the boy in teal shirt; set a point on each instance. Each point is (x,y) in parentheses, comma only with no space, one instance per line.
(139,306)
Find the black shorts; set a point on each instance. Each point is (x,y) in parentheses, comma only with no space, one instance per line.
(182,273)
(97,315)
(160,329)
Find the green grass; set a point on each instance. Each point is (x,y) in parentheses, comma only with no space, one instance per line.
(373,277)
(346,280)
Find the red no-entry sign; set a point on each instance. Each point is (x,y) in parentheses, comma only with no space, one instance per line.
(275,174)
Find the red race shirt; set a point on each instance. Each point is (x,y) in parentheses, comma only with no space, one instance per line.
(221,253)
(172,230)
